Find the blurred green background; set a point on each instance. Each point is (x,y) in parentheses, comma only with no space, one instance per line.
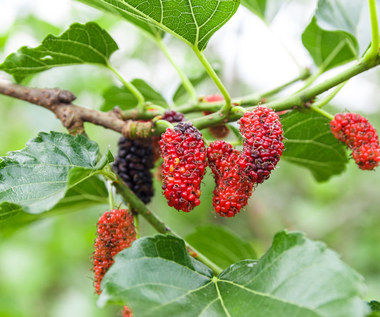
(45,268)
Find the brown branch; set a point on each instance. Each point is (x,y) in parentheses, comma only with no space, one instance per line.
(73,116)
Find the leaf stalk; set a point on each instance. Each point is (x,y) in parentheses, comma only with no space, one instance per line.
(214,76)
(140,98)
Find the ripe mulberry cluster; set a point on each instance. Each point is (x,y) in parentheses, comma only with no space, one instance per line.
(115,232)
(360,136)
(263,135)
(133,163)
(184,154)
(233,186)
(236,173)
(219,131)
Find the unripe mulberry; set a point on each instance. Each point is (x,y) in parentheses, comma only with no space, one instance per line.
(263,146)
(233,184)
(115,232)
(184,154)
(360,136)
(219,131)
(133,163)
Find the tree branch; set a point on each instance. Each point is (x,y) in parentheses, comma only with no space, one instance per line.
(72,116)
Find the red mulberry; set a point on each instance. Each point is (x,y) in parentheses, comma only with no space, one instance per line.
(218,154)
(172,117)
(184,154)
(213,98)
(233,185)
(263,146)
(360,136)
(127,312)
(236,173)
(115,232)
(367,156)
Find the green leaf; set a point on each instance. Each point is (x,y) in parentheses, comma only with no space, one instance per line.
(339,15)
(89,193)
(264,9)
(220,245)
(332,36)
(36,178)
(80,44)
(375,306)
(296,277)
(124,99)
(329,48)
(108,6)
(194,22)
(156,271)
(310,143)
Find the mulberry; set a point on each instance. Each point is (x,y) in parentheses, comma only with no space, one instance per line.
(367,156)
(236,173)
(263,146)
(233,185)
(184,154)
(127,312)
(133,163)
(172,117)
(115,232)
(213,98)
(360,136)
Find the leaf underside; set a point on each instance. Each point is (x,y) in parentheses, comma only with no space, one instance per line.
(264,9)
(156,277)
(80,44)
(52,173)
(329,48)
(220,245)
(194,22)
(310,143)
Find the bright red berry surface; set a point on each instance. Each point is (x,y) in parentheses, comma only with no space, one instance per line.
(236,173)
(218,154)
(115,232)
(213,98)
(263,146)
(360,136)
(172,117)
(184,154)
(127,312)
(233,186)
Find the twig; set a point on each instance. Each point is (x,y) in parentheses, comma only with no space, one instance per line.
(137,205)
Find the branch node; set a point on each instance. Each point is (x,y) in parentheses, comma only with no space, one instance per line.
(135,129)
(65,96)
